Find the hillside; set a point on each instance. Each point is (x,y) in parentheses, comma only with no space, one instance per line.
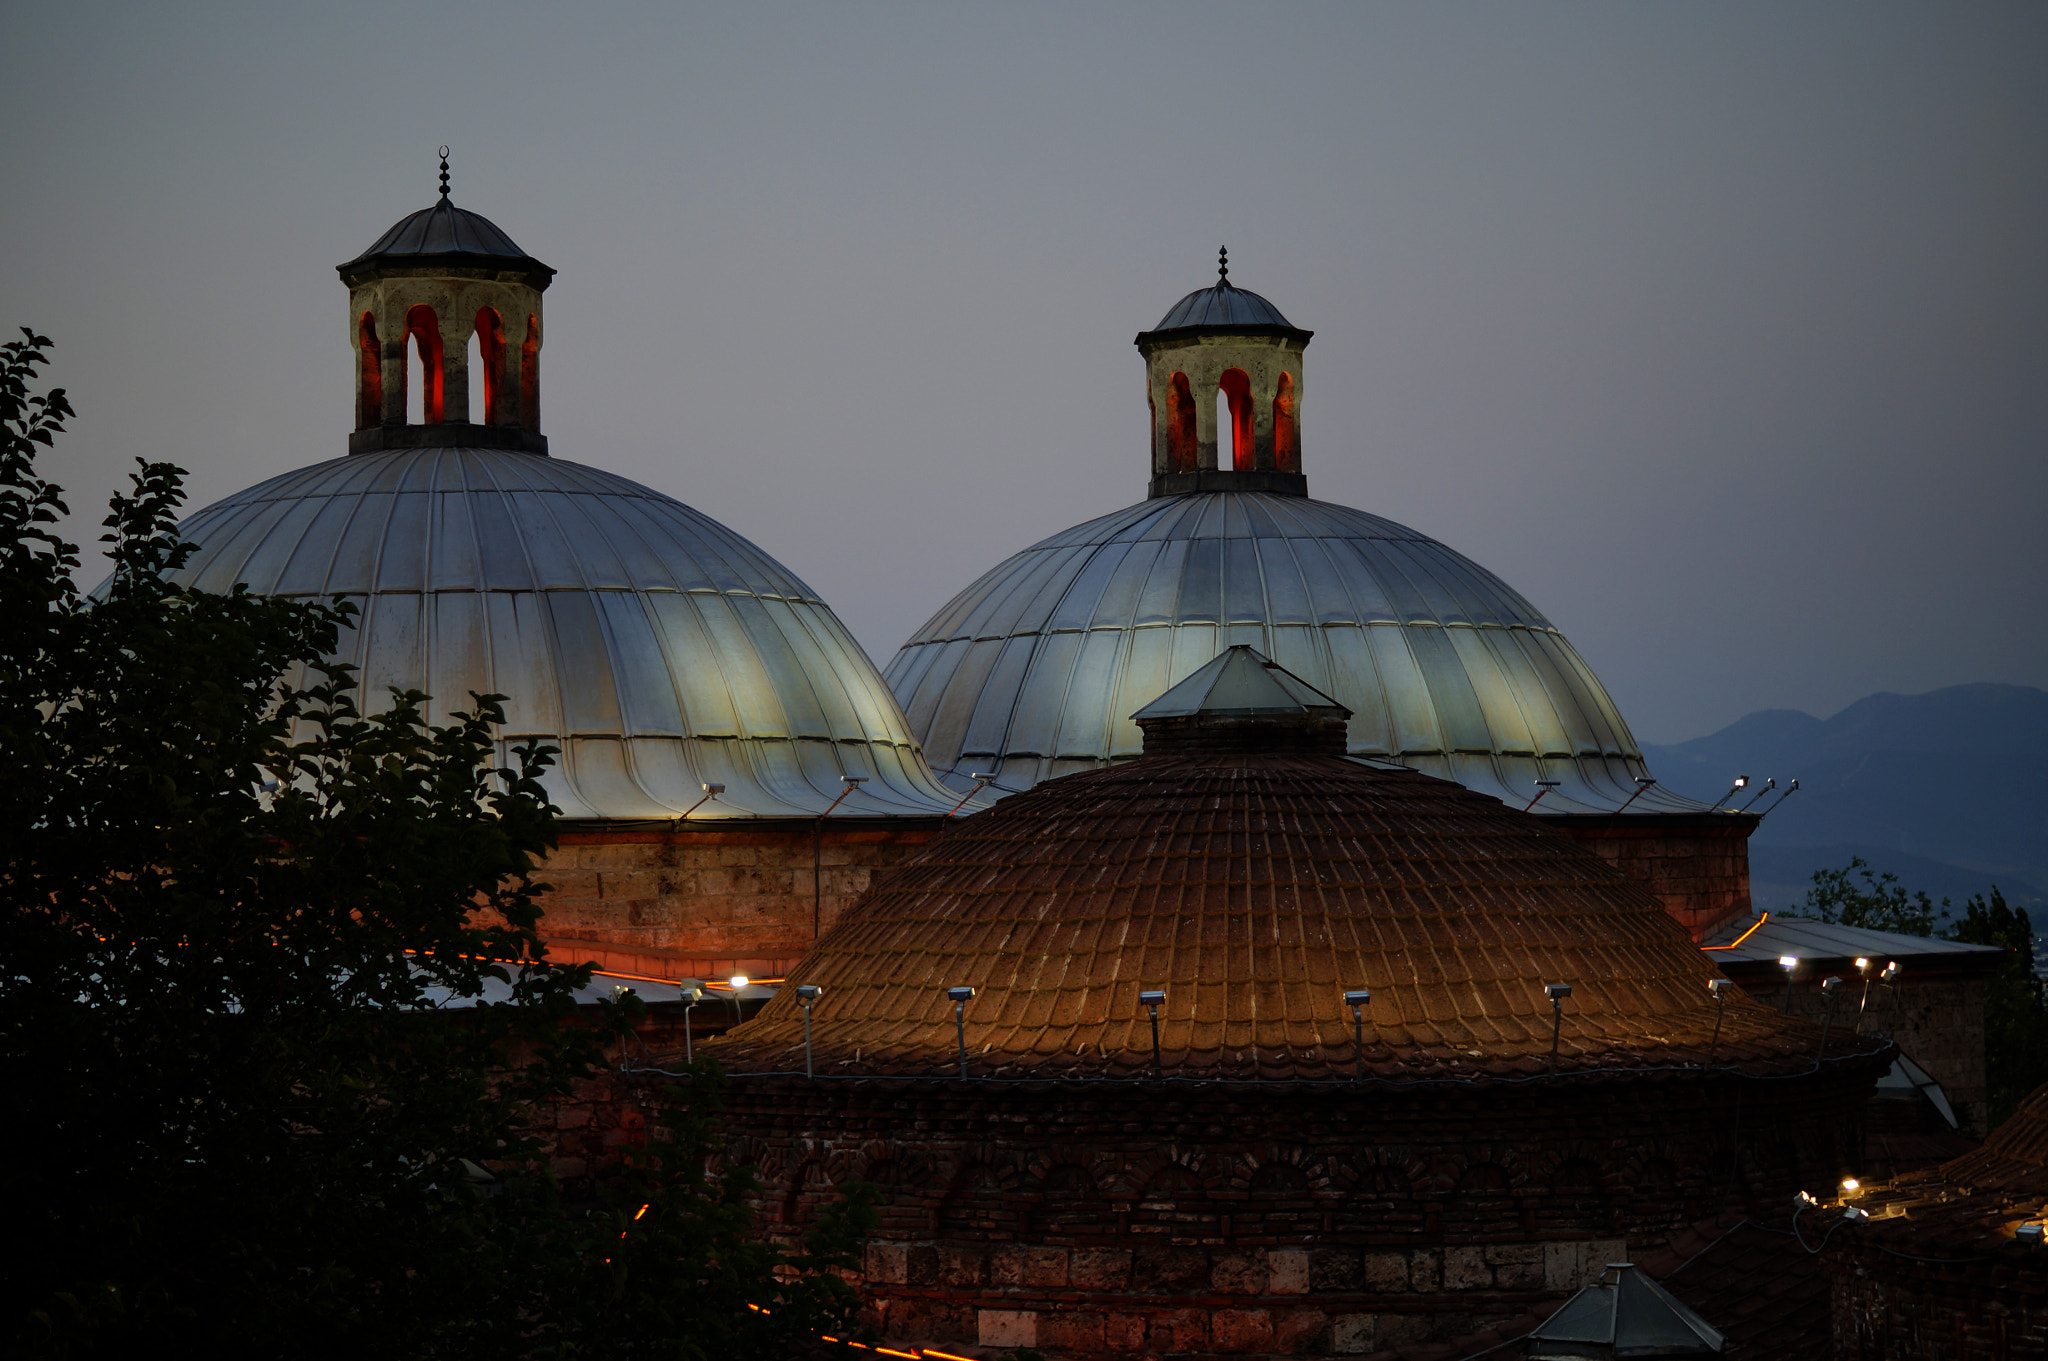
(1944,788)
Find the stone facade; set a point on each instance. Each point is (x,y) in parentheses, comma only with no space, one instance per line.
(1697,866)
(1974,1308)
(1936,1017)
(696,903)
(1107,1219)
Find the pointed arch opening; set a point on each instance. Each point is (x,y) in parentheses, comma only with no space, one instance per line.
(370,382)
(423,343)
(1234,392)
(1180,424)
(1286,429)
(529,375)
(487,374)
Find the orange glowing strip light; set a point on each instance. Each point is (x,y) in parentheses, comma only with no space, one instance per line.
(1743,937)
(890,1351)
(947,1356)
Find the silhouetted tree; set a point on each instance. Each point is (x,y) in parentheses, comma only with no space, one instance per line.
(239,1124)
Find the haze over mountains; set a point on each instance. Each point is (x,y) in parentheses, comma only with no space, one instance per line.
(1944,789)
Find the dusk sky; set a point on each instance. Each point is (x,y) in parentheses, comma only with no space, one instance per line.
(1718,330)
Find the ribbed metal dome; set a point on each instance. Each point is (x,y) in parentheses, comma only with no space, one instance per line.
(658,648)
(1035,670)
(1222,304)
(446,230)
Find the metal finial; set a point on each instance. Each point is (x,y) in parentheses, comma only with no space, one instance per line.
(444,172)
(1223,264)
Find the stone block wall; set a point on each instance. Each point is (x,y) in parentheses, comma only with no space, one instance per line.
(1887,1308)
(1110,1219)
(712,903)
(1937,1019)
(1698,867)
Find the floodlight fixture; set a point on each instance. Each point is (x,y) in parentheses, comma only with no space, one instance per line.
(1152,1001)
(711,791)
(981,782)
(690,995)
(960,997)
(1828,988)
(1850,1186)
(849,783)
(2030,1234)
(1770,783)
(1356,999)
(738,981)
(1862,964)
(806,994)
(1719,987)
(1789,791)
(1741,783)
(1804,1199)
(1643,784)
(1556,992)
(1542,787)
(1855,1214)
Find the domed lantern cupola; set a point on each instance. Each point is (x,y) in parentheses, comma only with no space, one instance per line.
(432,282)
(1224,347)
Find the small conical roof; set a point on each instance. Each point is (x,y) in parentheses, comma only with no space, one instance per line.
(1242,680)
(1624,1314)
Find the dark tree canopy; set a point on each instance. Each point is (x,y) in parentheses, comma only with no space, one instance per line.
(241,1125)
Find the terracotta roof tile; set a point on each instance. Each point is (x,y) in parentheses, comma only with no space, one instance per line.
(1254,888)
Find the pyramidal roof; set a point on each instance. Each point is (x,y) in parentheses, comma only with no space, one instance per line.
(1625,1313)
(1242,680)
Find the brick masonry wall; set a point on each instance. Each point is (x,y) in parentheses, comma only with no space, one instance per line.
(1102,1220)
(1701,873)
(1889,1309)
(714,903)
(1938,1021)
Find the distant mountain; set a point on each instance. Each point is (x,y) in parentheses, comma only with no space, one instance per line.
(1949,784)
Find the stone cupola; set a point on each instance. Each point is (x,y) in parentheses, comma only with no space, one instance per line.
(1225,340)
(434,281)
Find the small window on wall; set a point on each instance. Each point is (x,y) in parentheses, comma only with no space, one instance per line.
(423,366)
(1234,413)
(370,386)
(1286,430)
(1180,425)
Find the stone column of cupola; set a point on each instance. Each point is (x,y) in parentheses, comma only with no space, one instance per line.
(1186,367)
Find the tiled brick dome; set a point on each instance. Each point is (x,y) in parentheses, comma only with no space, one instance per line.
(1255,886)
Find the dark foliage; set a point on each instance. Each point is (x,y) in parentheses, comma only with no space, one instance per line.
(2015,1017)
(2015,1011)
(243,1120)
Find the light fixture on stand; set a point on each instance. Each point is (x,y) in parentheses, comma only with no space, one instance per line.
(807,994)
(1356,999)
(960,997)
(1151,1002)
(1556,992)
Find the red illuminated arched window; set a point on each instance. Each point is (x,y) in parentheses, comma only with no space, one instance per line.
(490,358)
(529,375)
(423,338)
(1236,385)
(370,387)
(1286,432)
(1180,425)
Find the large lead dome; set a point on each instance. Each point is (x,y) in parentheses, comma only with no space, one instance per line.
(661,651)
(1035,670)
